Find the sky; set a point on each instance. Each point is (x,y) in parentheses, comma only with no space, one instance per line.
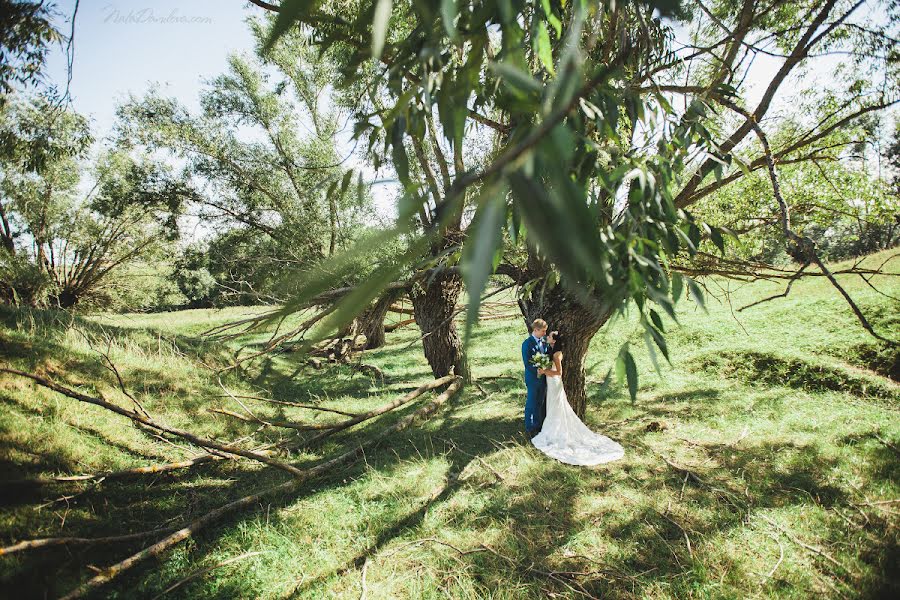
(124,46)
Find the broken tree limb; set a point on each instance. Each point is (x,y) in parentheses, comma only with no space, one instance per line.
(139,418)
(124,473)
(294,404)
(26,545)
(271,423)
(110,573)
(395,326)
(378,411)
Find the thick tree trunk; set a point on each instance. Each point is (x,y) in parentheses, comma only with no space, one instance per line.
(434,304)
(66,298)
(579,324)
(372,320)
(6,233)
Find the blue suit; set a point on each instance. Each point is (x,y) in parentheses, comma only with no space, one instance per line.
(536,401)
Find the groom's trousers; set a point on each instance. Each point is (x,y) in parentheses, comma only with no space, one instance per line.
(535,402)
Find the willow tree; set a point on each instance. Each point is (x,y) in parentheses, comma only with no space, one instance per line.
(606,133)
(264,148)
(60,243)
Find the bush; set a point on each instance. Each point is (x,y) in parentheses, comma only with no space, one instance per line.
(23,283)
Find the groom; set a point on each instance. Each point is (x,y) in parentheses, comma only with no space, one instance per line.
(535,403)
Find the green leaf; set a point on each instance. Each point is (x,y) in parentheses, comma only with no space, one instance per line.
(660,341)
(360,190)
(716,237)
(448,16)
(648,341)
(345,182)
(331,189)
(290,12)
(695,292)
(516,78)
(626,369)
(631,374)
(398,152)
(551,17)
(742,165)
(542,47)
(677,286)
(481,249)
(380,25)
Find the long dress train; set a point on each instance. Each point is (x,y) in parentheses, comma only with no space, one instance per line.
(566,438)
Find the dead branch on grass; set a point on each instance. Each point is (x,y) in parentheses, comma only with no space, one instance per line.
(110,573)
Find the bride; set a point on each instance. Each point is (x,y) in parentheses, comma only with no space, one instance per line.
(563,436)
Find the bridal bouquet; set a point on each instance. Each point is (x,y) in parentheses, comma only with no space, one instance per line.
(540,360)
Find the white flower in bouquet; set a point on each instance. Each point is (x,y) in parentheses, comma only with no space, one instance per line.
(540,360)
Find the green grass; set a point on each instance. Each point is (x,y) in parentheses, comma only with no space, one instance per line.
(785,412)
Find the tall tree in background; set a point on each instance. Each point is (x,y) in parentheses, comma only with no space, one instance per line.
(264,148)
(26,33)
(60,244)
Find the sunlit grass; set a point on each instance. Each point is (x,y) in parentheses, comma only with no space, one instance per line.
(782,411)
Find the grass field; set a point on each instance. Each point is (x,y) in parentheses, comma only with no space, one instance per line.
(762,464)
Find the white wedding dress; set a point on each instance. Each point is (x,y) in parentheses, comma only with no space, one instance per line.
(566,438)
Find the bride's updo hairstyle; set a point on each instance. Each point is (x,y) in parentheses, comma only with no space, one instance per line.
(558,342)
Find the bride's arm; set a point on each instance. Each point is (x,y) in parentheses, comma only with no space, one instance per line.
(557,365)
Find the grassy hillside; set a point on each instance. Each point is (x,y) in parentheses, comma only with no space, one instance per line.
(763,463)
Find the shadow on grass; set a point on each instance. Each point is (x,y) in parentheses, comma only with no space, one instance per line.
(534,518)
(754,367)
(537,513)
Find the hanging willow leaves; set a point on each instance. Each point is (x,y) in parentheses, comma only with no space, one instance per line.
(583,132)
(482,248)
(380,26)
(627,369)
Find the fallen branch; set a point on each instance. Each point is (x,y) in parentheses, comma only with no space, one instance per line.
(108,574)
(80,541)
(139,418)
(363,593)
(294,404)
(886,443)
(803,544)
(780,558)
(497,475)
(378,411)
(395,326)
(284,424)
(124,473)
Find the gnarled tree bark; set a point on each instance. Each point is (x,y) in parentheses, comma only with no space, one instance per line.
(372,320)
(578,323)
(434,305)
